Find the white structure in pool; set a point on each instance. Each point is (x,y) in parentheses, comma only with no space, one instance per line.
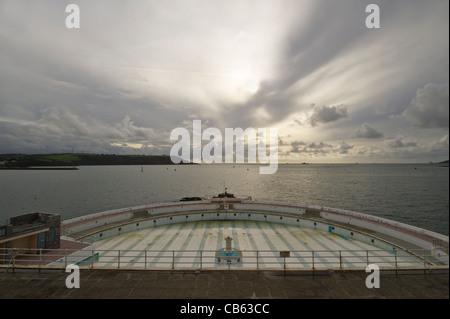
(191,232)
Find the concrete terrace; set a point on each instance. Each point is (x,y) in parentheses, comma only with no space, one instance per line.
(222,284)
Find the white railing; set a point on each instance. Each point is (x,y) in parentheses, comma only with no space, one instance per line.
(207,259)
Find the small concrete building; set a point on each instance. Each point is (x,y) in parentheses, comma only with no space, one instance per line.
(30,232)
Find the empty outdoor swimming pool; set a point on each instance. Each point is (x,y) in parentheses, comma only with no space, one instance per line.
(194,245)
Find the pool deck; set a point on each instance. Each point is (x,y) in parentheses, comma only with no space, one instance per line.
(222,284)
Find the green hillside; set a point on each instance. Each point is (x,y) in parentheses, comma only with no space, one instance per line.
(68,159)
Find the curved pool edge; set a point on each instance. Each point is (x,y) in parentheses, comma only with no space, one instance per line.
(338,221)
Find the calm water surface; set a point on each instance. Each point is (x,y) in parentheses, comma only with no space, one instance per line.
(414,194)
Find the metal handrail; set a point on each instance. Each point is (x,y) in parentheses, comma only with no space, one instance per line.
(201,259)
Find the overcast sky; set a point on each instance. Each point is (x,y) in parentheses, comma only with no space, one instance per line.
(134,70)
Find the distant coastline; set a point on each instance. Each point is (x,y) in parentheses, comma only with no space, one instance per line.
(40,168)
(442,164)
(70,161)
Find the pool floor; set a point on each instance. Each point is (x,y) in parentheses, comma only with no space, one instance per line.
(193,245)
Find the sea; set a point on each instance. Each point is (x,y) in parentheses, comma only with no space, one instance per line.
(415,194)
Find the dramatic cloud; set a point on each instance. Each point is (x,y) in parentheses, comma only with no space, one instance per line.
(322,115)
(135,70)
(429,109)
(367,131)
(310,148)
(439,147)
(407,148)
(402,141)
(327,114)
(295,146)
(344,148)
(60,130)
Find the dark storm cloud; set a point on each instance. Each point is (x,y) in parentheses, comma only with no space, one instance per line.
(321,148)
(343,148)
(310,148)
(402,142)
(430,107)
(367,131)
(61,130)
(327,114)
(297,146)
